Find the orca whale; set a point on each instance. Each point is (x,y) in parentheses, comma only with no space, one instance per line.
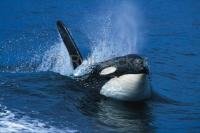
(123,78)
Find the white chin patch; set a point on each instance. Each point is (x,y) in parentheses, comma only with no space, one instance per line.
(108,70)
(128,87)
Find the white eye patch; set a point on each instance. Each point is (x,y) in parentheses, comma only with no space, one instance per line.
(108,70)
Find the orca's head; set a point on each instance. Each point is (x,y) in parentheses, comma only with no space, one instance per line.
(126,78)
(129,64)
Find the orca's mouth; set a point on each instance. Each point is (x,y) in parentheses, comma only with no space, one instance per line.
(128,87)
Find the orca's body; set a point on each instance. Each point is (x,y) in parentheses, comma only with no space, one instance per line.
(124,78)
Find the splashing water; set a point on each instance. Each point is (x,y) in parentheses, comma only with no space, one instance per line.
(56,59)
(117,36)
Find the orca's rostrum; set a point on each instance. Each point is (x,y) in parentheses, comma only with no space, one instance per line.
(124,78)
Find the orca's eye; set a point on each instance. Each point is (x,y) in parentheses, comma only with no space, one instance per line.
(108,70)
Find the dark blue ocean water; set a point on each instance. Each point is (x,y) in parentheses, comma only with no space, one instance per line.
(36,95)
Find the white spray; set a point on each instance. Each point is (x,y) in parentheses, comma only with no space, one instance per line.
(119,36)
(116,35)
(56,59)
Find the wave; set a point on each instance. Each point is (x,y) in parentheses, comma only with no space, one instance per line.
(10,122)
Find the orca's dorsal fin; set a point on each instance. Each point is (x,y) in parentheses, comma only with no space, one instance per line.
(74,53)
